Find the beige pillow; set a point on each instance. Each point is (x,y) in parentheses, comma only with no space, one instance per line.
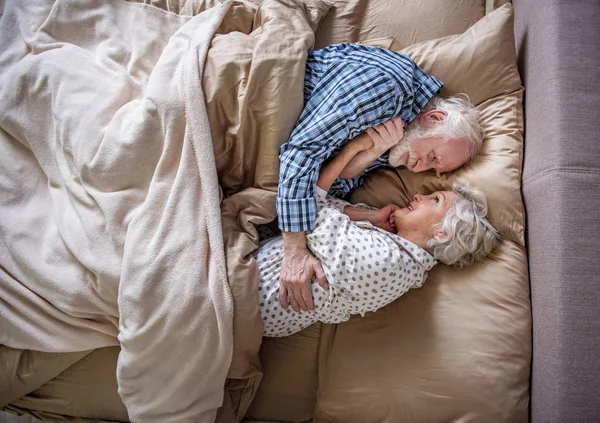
(407,21)
(482,64)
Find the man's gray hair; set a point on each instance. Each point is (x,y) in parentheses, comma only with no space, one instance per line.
(462,120)
(467,234)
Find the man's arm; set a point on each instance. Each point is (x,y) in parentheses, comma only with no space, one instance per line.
(342,106)
(297,269)
(298,263)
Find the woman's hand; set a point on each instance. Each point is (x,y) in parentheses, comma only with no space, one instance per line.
(386,135)
(384,218)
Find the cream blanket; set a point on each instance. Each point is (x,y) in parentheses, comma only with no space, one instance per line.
(109,212)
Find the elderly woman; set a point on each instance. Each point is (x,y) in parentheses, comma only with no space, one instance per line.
(373,256)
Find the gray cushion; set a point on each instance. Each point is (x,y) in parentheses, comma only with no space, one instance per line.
(558,57)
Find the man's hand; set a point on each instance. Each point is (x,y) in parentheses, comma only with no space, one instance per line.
(297,270)
(384,218)
(386,135)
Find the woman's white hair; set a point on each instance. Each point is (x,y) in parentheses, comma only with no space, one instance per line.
(462,120)
(467,234)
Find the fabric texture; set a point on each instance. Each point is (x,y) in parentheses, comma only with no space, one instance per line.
(245,75)
(83,391)
(471,325)
(24,371)
(253,84)
(289,391)
(347,89)
(366,269)
(110,205)
(408,23)
(557,44)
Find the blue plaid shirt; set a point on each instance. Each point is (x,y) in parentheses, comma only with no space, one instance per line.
(347,89)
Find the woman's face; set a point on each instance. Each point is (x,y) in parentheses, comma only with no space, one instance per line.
(424,213)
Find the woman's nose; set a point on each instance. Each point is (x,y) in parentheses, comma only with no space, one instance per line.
(418,197)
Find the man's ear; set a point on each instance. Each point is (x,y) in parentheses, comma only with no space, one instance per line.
(432,117)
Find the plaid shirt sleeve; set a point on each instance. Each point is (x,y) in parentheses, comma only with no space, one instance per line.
(343,102)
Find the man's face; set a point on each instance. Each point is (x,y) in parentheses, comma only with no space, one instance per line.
(421,150)
(439,154)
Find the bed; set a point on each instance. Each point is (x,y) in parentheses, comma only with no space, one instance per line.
(458,349)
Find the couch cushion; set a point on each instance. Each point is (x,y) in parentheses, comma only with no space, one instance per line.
(558,44)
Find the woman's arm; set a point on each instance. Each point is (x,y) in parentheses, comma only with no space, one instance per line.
(357,214)
(331,170)
(378,217)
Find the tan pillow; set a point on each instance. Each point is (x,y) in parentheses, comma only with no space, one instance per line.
(482,64)
(459,348)
(383,42)
(407,21)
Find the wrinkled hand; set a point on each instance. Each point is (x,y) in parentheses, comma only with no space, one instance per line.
(386,135)
(384,218)
(297,270)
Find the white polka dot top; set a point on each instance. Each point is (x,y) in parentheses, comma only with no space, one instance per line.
(366,267)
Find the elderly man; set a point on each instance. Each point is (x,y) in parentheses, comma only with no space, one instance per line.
(354,90)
